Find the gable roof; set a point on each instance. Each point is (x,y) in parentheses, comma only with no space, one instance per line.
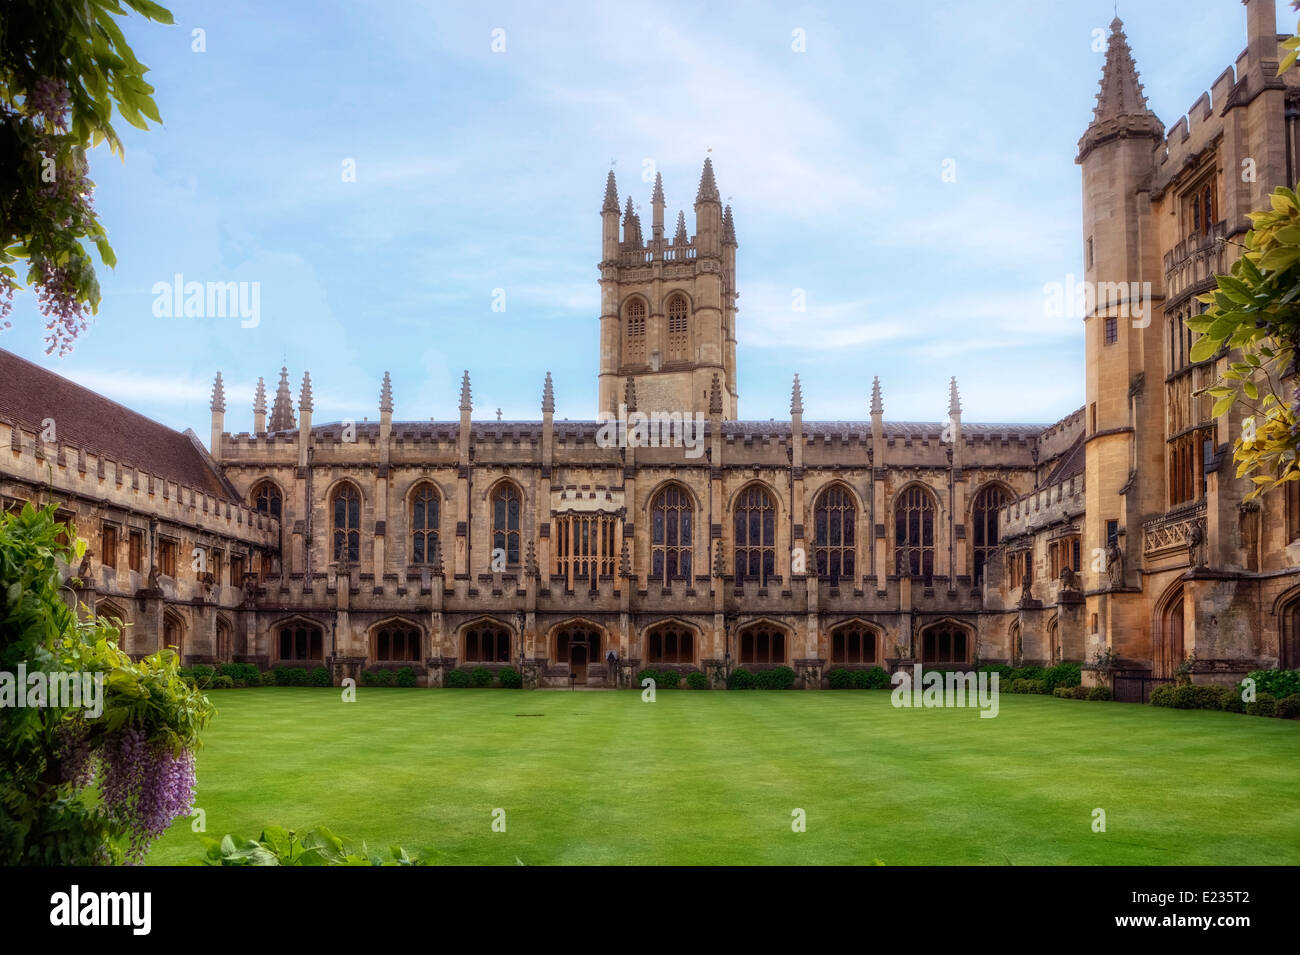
(29,394)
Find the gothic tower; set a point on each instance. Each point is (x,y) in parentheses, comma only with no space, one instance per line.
(668,305)
(1124,367)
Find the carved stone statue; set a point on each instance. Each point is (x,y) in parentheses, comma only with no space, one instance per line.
(1196,545)
(153,578)
(1069,579)
(1115,565)
(1026,592)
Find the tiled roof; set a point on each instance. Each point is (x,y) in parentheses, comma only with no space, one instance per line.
(82,418)
(1071,463)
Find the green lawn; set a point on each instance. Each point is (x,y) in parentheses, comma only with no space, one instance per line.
(712,777)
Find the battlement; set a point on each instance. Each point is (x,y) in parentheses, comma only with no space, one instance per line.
(75,471)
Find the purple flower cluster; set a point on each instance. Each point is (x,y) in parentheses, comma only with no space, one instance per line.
(72,741)
(60,302)
(49,98)
(6,300)
(145,787)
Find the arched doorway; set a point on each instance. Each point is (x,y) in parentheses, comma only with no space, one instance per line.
(1288,653)
(578,645)
(1167,645)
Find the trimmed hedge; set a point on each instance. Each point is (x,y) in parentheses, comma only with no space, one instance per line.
(840,679)
(406,677)
(1288,708)
(778,678)
(320,676)
(1099,693)
(480,678)
(696,680)
(222,682)
(455,680)
(1003,671)
(1023,685)
(510,678)
(1064,674)
(741,679)
(1027,673)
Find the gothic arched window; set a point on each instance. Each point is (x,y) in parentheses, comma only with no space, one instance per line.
(345,515)
(634,336)
(678,329)
(834,523)
(424,524)
(984,527)
(670,644)
(755,526)
(671,529)
(507,509)
(914,533)
(267,499)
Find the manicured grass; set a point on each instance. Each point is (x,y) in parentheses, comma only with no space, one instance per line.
(712,777)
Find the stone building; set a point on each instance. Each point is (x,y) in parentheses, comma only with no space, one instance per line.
(673,534)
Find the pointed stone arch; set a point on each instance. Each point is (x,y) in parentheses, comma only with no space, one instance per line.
(671,641)
(486,639)
(298,640)
(577,643)
(396,639)
(763,642)
(855,642)
(948,642)
(1286,611)
(1168,633)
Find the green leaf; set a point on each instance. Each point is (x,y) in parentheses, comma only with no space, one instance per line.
(1204,348)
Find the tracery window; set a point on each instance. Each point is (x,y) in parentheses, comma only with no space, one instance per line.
(914,533)
(678,329)
(834,526)
(424,524)
(507,512)
(345,511)
(634,350)
(671,529)
(755,540)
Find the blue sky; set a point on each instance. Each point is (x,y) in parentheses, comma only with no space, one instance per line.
(478,170)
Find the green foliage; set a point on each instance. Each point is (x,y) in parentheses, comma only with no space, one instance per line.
(64,66)
(741,679)
(268,678)
(1253,321)
(43,818)
(455,679)
(1003,671)
(668,679)
(1265,704)
(1279,683)
(1099,693)
(840,679)
(877,679)
(1027,673)
(222,682)
(1023,685)
(244,674)
(383,677)
(1063,692)
(1288,708)
(319,846)
(480,677)
(320,676)
(510,678)
(777,678)
(283,676)
(1063,674)
(406,677)
(695,680)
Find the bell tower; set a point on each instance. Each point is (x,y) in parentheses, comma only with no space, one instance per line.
(668,305)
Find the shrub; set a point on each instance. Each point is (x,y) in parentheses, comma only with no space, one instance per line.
(1001,669)
(778,678)
(1099,693)
(455,679)
(647,673)
(320,676)
(480,677)
(697,681)
(244,674)
(267,678)
(1231,702)
(1023,685)
(877,678)
(1194,696)
(861,679)
(1265,705)
(406,677)
(1027,673)
(840,679)
(1288,708)
(1276,683)
(1064,692)
(299,676)
(668,679)
(1064,674)
(740,679)
(510,678)
(222,682)
(385,678)
(283,676)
